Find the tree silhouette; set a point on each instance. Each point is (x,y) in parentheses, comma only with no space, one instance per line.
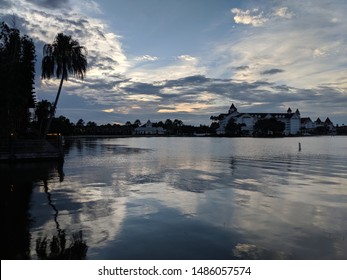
(266,127)
(42,111)
(80,123)
(177,122)
(137,123)
(233,128)
(17,76)
(168,123)
(65,56)
(58,249)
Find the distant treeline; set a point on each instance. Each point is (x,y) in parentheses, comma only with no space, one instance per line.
(64,126)
(176,127)
(341,130)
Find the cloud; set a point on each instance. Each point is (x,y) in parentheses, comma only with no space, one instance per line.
(296,56)
(252,17)
(183,108)
(179,67)
(272,71)
(203,96)
(257,18)
(108,110)
(283,12)
(106,58)
(187,58)
(195,98)
(89,6)
(146,58)
(242,68)
(5,4)
(52,4)
(298,38)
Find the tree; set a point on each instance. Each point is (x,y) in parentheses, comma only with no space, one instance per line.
(213,127)
(177,125)
(27,73)
(80,123)
(42,111)
(91,124)
(65,56)
(80,127)
(168,123)
(265,127)
(217,118)
(177,122)
(137,123)
(17,76)
(57,248)
(62,125)
(233,128)
(91,127)
(214,118)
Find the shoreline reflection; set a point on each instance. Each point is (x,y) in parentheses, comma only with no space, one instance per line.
(18,181)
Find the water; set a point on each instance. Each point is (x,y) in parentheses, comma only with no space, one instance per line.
(185,198)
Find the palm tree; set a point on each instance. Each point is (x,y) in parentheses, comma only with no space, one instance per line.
(65,56)
(42,112)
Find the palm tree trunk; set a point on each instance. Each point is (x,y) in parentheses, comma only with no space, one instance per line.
(53,108)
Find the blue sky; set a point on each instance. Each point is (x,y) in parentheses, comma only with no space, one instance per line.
(190,59)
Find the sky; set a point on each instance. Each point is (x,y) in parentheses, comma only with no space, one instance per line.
(190,59)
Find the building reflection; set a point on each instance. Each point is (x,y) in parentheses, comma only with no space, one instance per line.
(18,181)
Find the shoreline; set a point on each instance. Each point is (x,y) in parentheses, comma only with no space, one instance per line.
(191,136)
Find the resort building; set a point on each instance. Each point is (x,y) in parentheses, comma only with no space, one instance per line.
(148,129)
(290,119)
(307,124)
(328,123)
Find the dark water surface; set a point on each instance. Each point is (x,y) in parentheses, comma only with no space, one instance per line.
(181,198)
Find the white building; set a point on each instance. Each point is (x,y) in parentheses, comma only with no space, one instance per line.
(148,129)
(290,119)
(307,124)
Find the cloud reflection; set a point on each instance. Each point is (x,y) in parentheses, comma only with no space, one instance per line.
(271,203)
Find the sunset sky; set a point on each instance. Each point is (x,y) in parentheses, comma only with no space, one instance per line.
(190,59)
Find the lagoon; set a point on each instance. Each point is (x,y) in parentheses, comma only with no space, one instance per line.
(183,198)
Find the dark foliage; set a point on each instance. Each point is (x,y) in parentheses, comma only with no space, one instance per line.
(269,127)
(17,76)
(42,113)
(57,248)
(233,128)
(341,130)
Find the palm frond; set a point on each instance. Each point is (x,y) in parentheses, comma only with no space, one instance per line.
(47,67)
(65,56)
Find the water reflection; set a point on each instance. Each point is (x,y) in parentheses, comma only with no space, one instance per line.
(211,198)
(15,197)
(293,202)
(18,182)
(57,249)
(196,198)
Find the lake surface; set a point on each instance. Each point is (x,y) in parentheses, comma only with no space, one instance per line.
(181,198)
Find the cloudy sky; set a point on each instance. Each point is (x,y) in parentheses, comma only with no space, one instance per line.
(190,59)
